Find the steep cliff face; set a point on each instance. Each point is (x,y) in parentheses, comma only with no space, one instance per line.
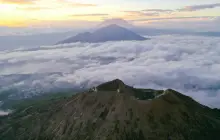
(106,114)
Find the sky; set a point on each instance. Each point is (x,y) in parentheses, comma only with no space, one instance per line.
(62,13)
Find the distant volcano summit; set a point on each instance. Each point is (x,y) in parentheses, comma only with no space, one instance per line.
(117,21)
(111,32)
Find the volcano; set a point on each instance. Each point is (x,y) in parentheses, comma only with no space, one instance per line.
(108,33)
(114,111)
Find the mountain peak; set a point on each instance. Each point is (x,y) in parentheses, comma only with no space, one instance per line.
(112,32)
(117,21)
(118,81)
(113,26)
(113,85)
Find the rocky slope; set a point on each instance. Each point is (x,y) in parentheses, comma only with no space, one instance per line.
(114,111)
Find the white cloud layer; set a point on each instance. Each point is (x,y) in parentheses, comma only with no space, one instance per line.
(4,113)
(189,64)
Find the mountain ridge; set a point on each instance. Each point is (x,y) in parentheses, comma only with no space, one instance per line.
(104,112)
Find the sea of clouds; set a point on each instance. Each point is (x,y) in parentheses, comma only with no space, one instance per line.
(4,113)
(189,64)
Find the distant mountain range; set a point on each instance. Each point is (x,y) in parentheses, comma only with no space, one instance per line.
(113,111)
(111,32)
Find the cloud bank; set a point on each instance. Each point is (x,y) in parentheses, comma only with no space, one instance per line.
(200,7)
(18,1)
(4,113)
(189,64)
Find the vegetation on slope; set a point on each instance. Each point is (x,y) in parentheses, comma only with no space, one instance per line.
(110,115)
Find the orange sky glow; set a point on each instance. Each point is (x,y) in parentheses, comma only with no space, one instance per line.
(16,13)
